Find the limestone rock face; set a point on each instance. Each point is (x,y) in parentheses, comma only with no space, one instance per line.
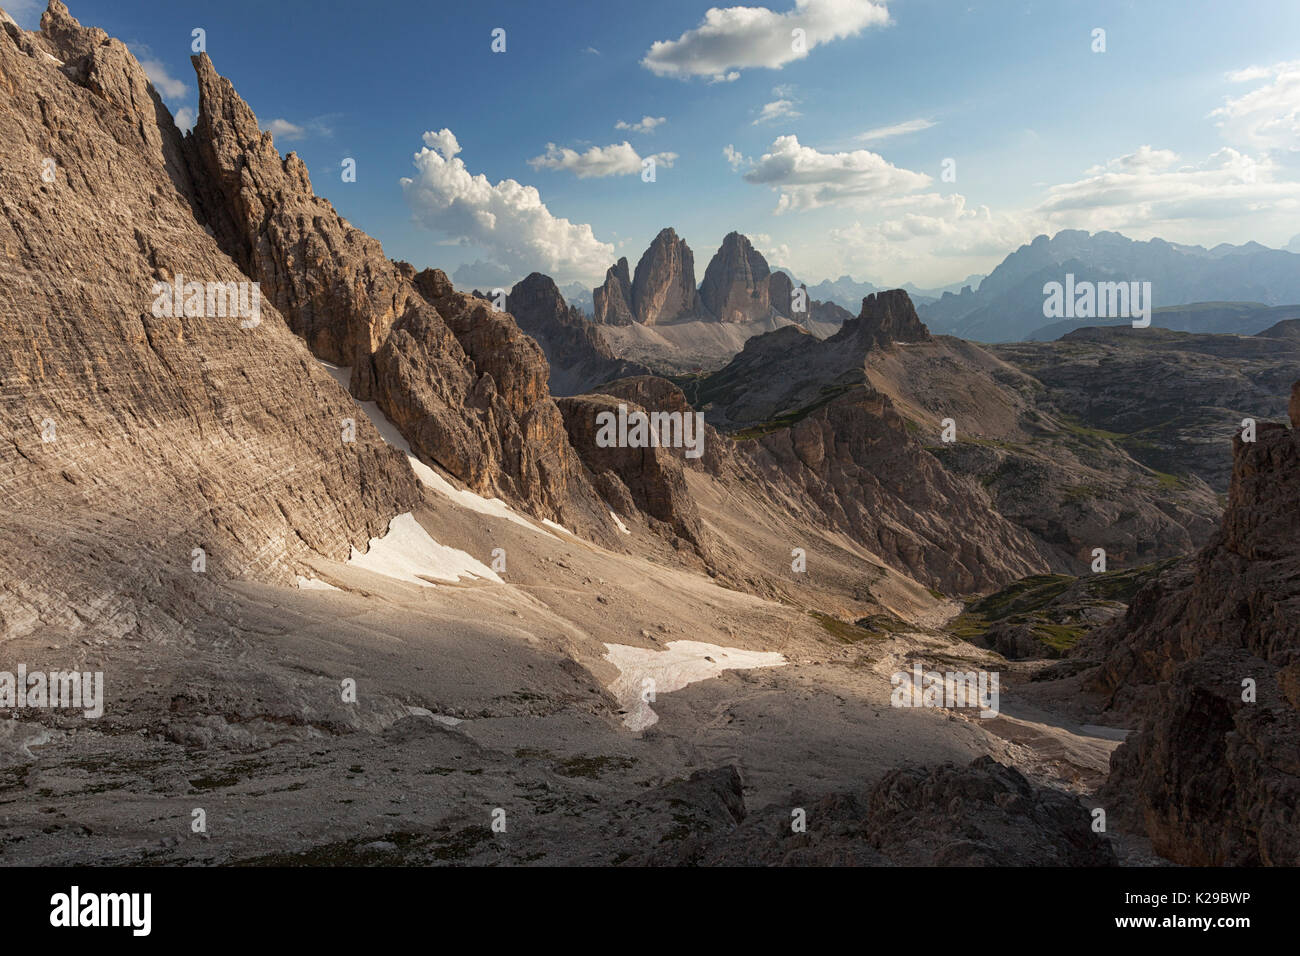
(853,462)
(136,448)
(460,381)
(652,478)
(576,351)
(849,465)
(780,293)
(886,317)
(736,286)
(1215,778)
(612,302)
(663,289)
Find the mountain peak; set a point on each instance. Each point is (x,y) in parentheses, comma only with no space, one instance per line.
(663,289)
(886,317)
(735,286)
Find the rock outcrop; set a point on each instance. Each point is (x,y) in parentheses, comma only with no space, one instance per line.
(848,465)
(1208,659)
(612,301)
(736,286)
(663,288)
(860,471)
(984,814)
(578,355)
(786,370)
(886,318)
(460,381)
(147,455)
(648,480)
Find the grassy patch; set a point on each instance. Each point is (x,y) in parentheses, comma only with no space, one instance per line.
(845,632)
(828,394)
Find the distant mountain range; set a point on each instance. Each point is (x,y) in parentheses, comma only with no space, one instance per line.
(849,293)
(1008,304)
(1240,318)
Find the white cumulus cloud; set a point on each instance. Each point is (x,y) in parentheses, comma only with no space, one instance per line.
(808,179)
(1266,118)
(507,220)
(735,38)
(619,159)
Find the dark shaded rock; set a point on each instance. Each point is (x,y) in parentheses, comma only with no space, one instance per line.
(886,317)
(578,355)
(984,814)
(1214,777)
(612,302)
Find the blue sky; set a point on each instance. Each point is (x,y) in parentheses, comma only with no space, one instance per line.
(1185,127)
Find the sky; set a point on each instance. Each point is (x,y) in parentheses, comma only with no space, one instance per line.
(889,140)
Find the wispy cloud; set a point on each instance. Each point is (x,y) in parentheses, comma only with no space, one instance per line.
(647,124)
(775,110)
(284,131)
(898,129)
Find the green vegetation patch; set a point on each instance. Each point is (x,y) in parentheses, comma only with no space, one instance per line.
(828,394)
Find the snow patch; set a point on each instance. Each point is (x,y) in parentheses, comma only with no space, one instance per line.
(313,584)
(621,527)
(681,663)
(407,553)
(494,507)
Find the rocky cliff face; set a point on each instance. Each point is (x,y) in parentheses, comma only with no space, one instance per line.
(855,461)
(650,481)
(578,355)
(1208,658)
(849,465)
(139,447)
(461,382)
(886,317)
(612,302)
(1172,399)
(663,289)
(736,282)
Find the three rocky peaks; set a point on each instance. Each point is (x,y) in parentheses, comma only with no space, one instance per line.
(738,286)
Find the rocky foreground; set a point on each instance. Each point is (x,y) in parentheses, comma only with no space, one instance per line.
(357,580)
